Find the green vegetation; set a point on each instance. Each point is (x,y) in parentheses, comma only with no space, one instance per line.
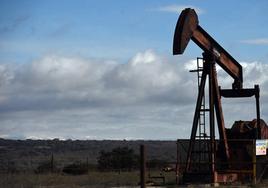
(120,158)
(75,164)
(75,169)
(28,155)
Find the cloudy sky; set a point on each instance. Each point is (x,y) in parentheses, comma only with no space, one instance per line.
(104,69)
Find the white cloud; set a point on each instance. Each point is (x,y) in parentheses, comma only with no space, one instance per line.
(147,97)
(257,41)
(178,8)
(142,58)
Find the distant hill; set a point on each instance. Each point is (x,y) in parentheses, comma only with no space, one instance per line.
(24,155)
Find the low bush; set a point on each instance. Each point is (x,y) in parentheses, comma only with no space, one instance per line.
(75,169)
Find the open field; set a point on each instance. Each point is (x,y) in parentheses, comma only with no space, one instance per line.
(27,155)
(92,179)
(19,159)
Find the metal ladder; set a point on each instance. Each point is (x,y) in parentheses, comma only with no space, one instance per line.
(202,114)
(201,150)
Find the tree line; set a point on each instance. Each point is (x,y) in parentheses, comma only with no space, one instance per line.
(118,159)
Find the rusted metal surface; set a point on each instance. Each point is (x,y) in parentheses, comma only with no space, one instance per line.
(230,153)
(187,28)
(219,116)
(242,150)
(210,61)
(226,177)
(214,99)
(186,25)
(246,130)
(243,164)
(195,120)
(223,58)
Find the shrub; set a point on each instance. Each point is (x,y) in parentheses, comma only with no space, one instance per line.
(120,158)
(45,167)
(75,169)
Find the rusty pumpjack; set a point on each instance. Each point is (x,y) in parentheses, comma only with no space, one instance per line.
(188,28)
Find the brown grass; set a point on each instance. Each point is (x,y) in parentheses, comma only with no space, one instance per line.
(92,179)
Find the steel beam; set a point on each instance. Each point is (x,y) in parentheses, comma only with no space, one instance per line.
(257,96)
(237,93)
(219,115)
(209,61)
(196,117)
(223,58)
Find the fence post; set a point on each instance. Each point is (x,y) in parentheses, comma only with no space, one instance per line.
(254,162)
(177,164)
(142,166)
(52,163)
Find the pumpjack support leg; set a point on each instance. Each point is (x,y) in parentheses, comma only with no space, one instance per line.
(195,120)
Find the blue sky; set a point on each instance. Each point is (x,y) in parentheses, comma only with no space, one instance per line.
(104,69)
(119,29)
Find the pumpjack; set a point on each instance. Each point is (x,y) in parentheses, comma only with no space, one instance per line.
(187,29)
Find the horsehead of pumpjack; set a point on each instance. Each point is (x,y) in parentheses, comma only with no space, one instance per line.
(188,28)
